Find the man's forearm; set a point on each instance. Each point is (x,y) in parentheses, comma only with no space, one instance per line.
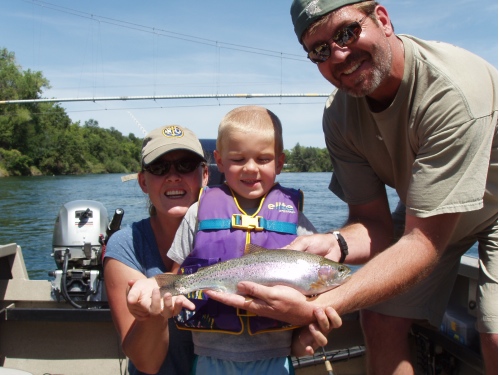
(388,274)
(364,241)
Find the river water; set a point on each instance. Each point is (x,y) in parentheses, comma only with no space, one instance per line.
(29,207)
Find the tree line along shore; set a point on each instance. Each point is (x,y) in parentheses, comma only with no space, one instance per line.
(40,139)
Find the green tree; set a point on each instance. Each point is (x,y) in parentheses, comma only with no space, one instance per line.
(42,137)
(308,159)
(17,123)
(296,159)
(15,161)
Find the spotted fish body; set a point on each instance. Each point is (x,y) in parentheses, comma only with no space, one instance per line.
(308,273)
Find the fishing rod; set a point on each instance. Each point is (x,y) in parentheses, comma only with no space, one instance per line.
(168,97)
(329,357)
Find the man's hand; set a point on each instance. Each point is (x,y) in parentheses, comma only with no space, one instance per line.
(277,302)
(308,338)
(320,244)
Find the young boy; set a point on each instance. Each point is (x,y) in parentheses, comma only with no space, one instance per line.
(226,341)
(250,154)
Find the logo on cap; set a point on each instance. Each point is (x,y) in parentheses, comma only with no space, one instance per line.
(173,132)
(313,8)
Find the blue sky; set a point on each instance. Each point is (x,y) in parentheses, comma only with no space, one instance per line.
(97,48)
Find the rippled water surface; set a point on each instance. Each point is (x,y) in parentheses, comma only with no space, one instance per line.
(29,206)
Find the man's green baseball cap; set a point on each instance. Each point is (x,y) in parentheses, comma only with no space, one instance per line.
(306,12)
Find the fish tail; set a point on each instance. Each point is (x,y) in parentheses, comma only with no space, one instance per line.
(167,283)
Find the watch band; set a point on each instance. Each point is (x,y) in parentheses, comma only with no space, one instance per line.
(343,245)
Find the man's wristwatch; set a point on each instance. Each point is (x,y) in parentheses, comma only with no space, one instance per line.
(342,243)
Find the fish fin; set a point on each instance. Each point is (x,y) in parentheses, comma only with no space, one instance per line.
(251,248)
(166,282)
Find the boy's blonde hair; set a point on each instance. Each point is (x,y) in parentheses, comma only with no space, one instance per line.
(251,119)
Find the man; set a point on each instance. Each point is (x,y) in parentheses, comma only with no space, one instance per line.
(418,116)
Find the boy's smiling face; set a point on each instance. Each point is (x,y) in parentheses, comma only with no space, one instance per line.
(250,165)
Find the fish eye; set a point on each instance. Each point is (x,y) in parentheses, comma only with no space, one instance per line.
(342,268)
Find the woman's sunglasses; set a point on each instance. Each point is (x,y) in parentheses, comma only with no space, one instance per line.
(343,37)
(182,166)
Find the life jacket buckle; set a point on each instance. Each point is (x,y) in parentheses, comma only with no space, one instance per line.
(239,221)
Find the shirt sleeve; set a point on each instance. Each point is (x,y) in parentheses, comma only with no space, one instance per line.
(183,243)
(353,180)
(450,169)
(304,225)
(120,247)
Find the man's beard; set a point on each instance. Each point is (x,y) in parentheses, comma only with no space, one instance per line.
(368,82)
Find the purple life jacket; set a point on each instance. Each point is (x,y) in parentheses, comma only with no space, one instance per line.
(222,235)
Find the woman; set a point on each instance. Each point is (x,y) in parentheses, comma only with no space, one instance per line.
(173,171)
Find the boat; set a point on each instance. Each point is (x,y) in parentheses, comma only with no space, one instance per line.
(64,325)
(51,328)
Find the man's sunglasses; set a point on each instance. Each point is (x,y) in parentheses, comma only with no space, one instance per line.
(182,166)
(343,37)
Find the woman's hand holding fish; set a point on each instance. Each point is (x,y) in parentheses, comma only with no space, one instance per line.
(141,300)
(144,300)
(173,305)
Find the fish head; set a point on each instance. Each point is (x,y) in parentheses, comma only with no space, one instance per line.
(330,275)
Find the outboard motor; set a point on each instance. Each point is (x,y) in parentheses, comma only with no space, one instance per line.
(80,234)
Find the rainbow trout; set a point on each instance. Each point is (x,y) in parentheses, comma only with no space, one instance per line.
(308,273)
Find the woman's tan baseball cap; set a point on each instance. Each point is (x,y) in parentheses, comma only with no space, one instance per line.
(169,138)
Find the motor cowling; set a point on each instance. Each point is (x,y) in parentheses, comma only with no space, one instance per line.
(78,243)
(79,227)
